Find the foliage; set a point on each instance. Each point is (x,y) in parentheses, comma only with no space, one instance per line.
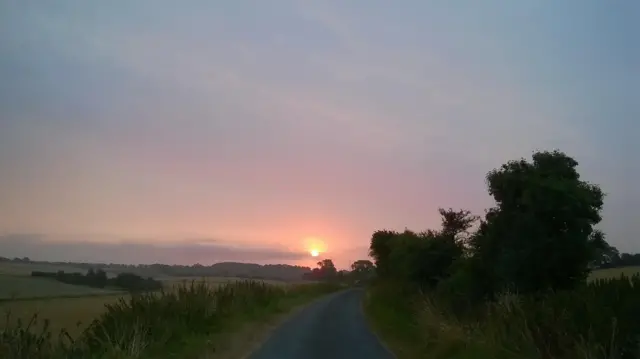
(596,321)
(326,271)
(538,235)
(514,286)
(423,258)
(362,270)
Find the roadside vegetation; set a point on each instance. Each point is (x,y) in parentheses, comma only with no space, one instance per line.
(189,321)
(513,283)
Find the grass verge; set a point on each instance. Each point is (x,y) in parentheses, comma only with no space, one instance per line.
(596,321)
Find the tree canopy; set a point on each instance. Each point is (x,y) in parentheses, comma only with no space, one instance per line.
(539,235)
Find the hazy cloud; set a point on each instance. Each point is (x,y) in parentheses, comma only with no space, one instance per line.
(131,251)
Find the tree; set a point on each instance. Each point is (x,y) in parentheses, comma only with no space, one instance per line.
(538,235)
(362,266)
(327,268)
(422,258)
(362,269)
(604,255)
(100,278)
(456,224)
(380,250)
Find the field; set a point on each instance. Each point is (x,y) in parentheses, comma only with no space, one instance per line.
(193,308)
(191,321)
(12,268)
(72,314)
(69,306)
(614,272)
(169,282)
(24,287)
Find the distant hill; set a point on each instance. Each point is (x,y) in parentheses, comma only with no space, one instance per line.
(283,272)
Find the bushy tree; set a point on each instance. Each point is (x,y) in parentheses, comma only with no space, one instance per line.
(380,250)
(423,258)
(538,235)
(362,269)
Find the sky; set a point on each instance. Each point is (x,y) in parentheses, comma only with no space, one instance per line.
(203,131)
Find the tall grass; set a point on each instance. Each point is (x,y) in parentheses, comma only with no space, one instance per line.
(162,324)
(600,320)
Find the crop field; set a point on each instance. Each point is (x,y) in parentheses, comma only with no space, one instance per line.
(170,282)
(68,306)
(72,314)
(192,321)
(23,287)
(614,272)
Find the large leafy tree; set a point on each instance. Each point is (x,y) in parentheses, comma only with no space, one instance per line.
(538,235)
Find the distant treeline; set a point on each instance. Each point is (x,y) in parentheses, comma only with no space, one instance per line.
(223,269)
(622,260)
(98,279)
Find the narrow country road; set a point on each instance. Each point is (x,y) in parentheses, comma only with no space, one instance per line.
(333,327)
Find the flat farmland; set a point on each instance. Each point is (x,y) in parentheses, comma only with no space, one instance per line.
(25,287)
(170,282)
(614,272)
(12,268)
(72,314)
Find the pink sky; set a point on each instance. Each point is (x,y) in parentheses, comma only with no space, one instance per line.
(261,126)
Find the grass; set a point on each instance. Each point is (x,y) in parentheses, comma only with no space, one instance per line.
(190,321)
(597,321)
(23,287)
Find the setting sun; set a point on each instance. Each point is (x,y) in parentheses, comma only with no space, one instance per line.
(315,246)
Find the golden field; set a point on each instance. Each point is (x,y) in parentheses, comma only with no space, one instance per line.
(68,306)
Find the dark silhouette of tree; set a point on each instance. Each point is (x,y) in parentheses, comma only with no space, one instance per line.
(604,255)
(538,235)
(363,266)
(422,258)
(380,250)
(327,268)
(100,279)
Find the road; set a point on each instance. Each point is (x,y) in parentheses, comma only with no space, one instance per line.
(332,327)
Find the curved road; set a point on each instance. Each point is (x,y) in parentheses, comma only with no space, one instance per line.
(332,327)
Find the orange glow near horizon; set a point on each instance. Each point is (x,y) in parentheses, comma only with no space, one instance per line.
(315,246)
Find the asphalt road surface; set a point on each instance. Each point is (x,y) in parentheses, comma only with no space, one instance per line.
(332,327)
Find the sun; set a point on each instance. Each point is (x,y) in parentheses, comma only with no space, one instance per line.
(315,246)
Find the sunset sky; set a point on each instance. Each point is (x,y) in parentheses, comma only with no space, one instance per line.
(202,131)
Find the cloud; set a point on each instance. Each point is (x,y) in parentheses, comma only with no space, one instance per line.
(203,251)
